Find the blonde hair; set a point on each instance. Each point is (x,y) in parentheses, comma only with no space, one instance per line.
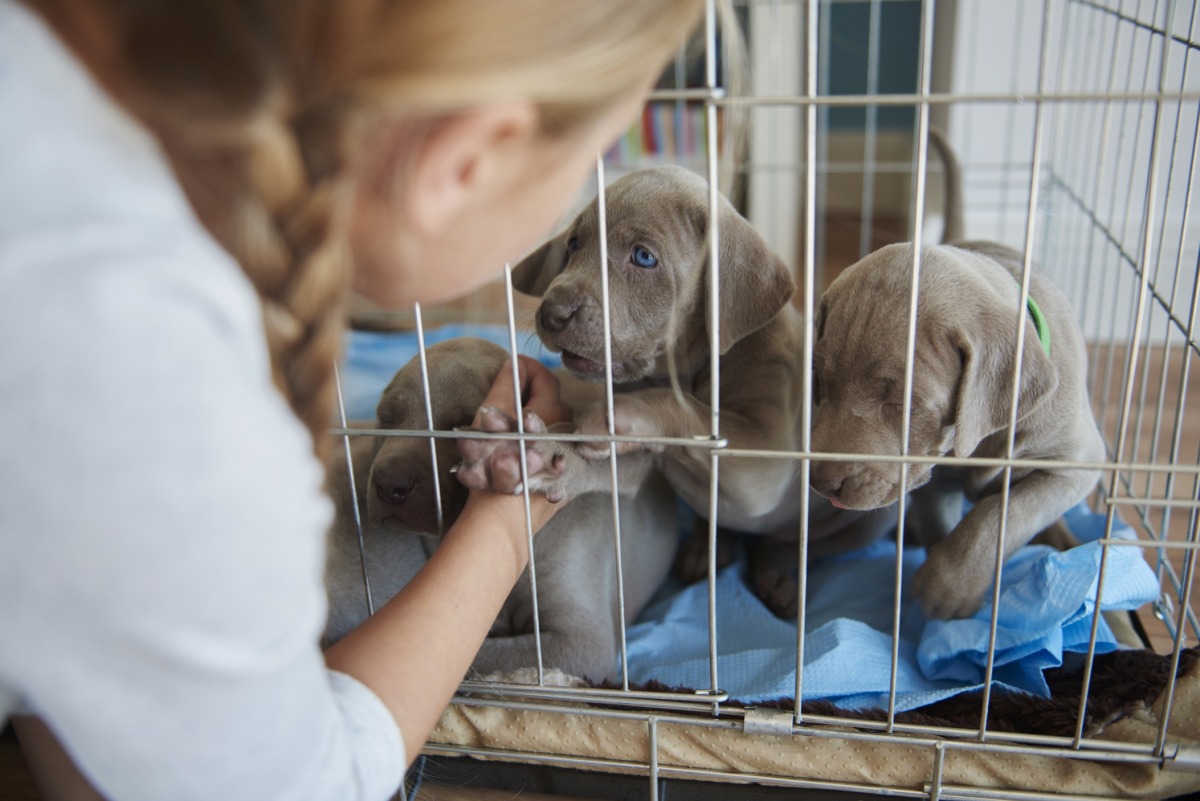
(265,102)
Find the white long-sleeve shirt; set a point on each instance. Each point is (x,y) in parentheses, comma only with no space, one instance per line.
(161,515)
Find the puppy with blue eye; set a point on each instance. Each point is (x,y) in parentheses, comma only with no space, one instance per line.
(659,298)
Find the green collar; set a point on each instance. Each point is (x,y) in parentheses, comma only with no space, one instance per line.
(1040,324)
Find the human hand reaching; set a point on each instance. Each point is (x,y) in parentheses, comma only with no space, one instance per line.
(496,464)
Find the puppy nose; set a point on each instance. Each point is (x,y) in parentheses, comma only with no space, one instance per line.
(557,316)
(394,490)
(827,487)
(823,479)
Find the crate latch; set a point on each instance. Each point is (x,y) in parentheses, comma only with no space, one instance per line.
(764,720)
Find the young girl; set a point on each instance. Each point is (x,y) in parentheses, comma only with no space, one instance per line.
(188,192)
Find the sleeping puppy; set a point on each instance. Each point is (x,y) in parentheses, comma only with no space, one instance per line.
(967,313)
(660,324)
(574,553)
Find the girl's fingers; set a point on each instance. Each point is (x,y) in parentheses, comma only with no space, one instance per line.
(500,395)
(539,392)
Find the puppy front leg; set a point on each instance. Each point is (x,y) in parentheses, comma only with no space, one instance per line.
(552,467)
(958,571)
(648,413)
(773,575)
(752,486)
(936,508)
(691,560)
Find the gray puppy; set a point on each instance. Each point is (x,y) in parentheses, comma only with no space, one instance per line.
(967,312)
(574,553)
(658,254)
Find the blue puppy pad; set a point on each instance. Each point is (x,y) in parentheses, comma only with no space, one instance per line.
(1046,602)
(670,641)
(373,357)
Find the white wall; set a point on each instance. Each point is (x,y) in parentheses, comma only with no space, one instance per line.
(1096,157)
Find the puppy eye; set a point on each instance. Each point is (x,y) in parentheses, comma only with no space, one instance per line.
(572,245)
(644,258)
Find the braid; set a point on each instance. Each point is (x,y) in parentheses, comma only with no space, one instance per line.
(277,196)
(264,162)
(285,231)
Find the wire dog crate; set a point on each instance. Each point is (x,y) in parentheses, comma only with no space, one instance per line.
(1077,123)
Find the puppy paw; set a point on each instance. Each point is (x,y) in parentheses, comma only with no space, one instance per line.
(691,560)
(947,589)
(496,464)
(773,575)
(779,592)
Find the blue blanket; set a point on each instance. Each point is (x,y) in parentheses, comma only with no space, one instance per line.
(1046,604)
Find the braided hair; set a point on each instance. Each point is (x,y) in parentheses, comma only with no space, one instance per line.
(263,106)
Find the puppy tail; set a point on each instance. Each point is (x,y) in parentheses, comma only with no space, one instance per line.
(953,228)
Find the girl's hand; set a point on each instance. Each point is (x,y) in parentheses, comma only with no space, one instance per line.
(539,393)
(540,402)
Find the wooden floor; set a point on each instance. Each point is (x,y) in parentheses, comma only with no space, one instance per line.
(1152,432)
(15,782)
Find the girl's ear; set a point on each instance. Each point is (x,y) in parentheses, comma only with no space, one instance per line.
(457,160)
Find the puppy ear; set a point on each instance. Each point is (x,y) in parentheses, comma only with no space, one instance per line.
(988,351)
(473,362)
(755,283)
(821,317)
(534,273)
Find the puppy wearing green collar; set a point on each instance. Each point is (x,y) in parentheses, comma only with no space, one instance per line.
(983,340)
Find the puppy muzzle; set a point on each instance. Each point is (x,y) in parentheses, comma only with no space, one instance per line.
(850,486)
